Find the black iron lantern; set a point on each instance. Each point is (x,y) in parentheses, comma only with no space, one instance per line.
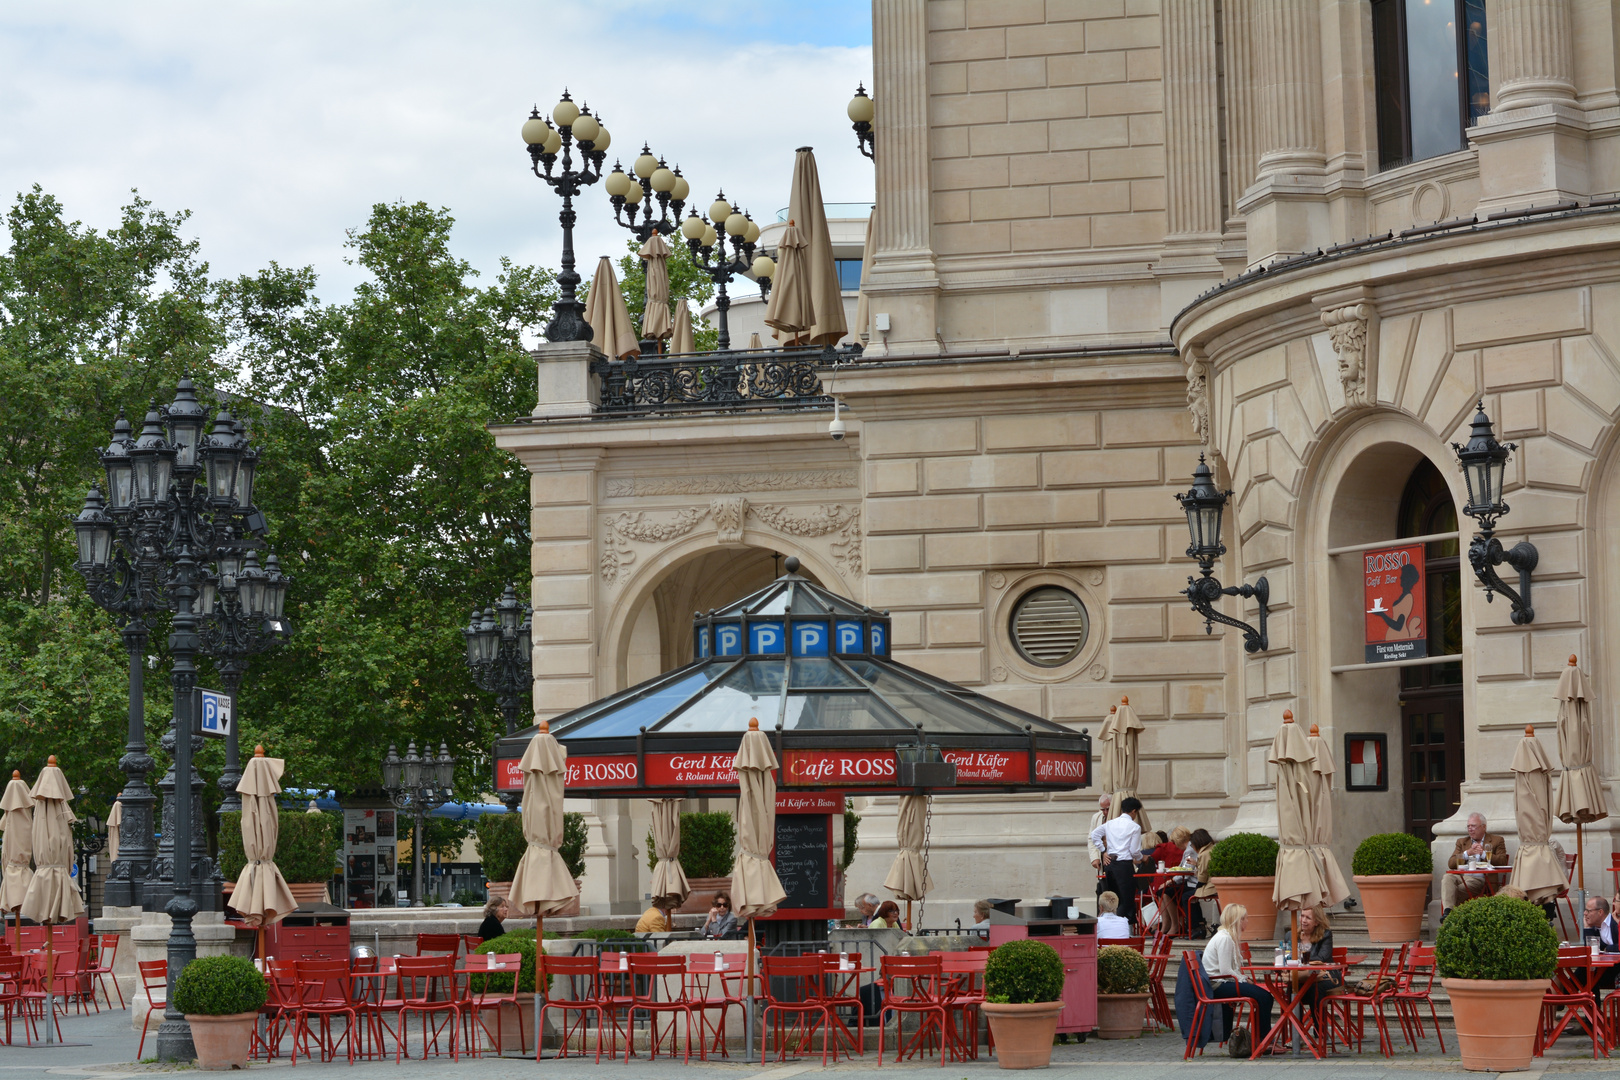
(252,582)
(221,456)
(1483,461)
(391,768)
(185,419)
(152,458)
(1204,505)
(208,597)
(413,767)
(120,469)
(94,531)
(275,597)
(447,768)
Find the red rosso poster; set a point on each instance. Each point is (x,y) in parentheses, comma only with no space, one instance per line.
(1395,606)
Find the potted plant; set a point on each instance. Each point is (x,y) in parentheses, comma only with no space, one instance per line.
(220,997)
(515,1020)
(1122,992)
(1023,992)
(1496,957)
(501,845)
(1392,871)
(1243,869)
(306,850)
(708,848)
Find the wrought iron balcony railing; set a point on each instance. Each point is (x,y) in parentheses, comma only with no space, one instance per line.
(732,381)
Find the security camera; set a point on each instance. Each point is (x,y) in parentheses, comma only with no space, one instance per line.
(836,427)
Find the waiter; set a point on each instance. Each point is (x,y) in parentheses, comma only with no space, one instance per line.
(1120,841)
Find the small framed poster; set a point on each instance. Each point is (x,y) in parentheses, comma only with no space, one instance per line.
(1366,761)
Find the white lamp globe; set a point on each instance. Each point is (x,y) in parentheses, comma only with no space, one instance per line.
(617,183)
(565,113)
(692,228)
(709,236)
(764,266)
(586,129)
(534,131)
(681,189)
(662,179)
(633,196)
(719,210)
(646,164)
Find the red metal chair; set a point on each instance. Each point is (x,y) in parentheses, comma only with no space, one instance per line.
(1569,993)
(369,975)
(615,993)
(964,982)
(470,942)
(579,975)
(481,998)
(915,985)
(106,953)
(418,977)
(1345,1026)
(658,988)
(1192,969)
(715,987)
(323,992)
(155,981)
(438,943)
(12,976)
(1158,959)
(1414,983)
(793,994)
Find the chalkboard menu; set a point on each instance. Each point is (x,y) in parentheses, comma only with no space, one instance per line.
(802,858)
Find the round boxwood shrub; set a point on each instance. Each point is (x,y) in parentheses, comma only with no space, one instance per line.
(1496,937)
(306,846)
(501,982)
(1244,854)
(1121,970)
(1383,854)
(1022,972)
(219,986)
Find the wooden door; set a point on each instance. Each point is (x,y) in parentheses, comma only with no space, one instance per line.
(1432,753)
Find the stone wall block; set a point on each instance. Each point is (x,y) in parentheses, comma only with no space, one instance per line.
(893,478)
(1280,680)
(1550,652)
(1145,427)
(553,697)
(955,628)
(1135,506)
(1557,603)
(1456,394)
(1572,419)
(1044,431)
(563,660)
(1192,778)
(1100,468)
(1113,545)
(1005,12)
(1540,508)
(888,553)
(1025,138)
(560,558)
(1185,623)
(896,438)
(1085,68)
(1498,656)
(1047,39)
(1020,696)
(560,523)
(1195,699)
(907,627)
(984,44)
(1394,339)
(1589,371)
(947,15)
(1518,414)
(1549,463)
(1525,363)
(978,107)
(1122,98)
(1153,776)
(1182,739)
(961,666)
(1130,33)
(559,488)
(1430,352)
(1136,622)
(1067,10)
(983,550)
(1150,661)
(566,626)
(922,514)
(561,591)
(965,173)
(983,472)
(1084,700)
(923,590)
(1518,318)
(1151,582)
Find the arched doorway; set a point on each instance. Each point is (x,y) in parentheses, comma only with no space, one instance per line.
(1432,694)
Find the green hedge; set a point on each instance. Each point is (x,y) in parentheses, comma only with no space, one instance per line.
(1244,854)
(520,943)
(306,849)
(1121,970)
(1496,937)
(1384,854)
(501,844)
(219,986)
(852,835)
(1021,972)
(708,843)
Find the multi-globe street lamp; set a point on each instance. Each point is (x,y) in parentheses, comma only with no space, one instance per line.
(177,501)
(707,239)
(419,785)
(499,652)
(649,181)
(574,125)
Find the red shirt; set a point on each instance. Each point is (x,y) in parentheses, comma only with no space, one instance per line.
(1167,853)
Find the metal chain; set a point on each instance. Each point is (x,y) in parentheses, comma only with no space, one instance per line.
(928,838)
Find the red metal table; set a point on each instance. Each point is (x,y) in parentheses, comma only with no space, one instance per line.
(1289,986)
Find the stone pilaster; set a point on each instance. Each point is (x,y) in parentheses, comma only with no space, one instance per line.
(904,283)
(1192,115)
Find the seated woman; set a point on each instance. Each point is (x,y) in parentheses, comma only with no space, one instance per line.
(1207,910)
(1223,963)
(887,917)
(1172,896)
(981,915)
(722,921)
(1316,947)
(1110,924)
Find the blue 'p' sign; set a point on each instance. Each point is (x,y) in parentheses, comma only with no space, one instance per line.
(810,639)
(849,637)
(765,638)
(213,714)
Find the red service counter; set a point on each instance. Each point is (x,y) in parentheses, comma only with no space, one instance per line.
(314,932)
(1076,943)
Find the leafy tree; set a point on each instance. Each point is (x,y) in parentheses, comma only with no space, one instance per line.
(444,837)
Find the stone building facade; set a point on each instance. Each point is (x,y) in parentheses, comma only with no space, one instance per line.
(1113,235)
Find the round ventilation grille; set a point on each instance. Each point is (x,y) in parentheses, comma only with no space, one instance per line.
(1049,626)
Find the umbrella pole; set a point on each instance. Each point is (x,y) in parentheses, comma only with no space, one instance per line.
(1580,860)
(539,951)
(748,1035)
(50,981)
(908,916)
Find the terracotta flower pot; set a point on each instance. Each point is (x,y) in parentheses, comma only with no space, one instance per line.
(516,1027)
(1024,1032)
(1121,1016)
(1254,893)
(223,1042)
(1394,904)
(308,892)
(501,889)
(1496,1021)
(701,898)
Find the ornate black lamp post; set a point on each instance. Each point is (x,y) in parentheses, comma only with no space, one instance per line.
(1204,505)
(707,238)
(241,608)
(634,193)
(1484,466)
(499,652)
(89,839)
(861,110)
(419,785)
(574,124)
(157,535)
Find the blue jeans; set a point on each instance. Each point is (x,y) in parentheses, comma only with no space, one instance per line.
(1226,988)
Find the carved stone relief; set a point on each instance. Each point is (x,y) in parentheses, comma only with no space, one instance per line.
(1198,396)
(1348,328)
(729,516)
(728,513)
(626,487)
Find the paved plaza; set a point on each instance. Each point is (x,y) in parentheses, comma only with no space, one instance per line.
(109,1054)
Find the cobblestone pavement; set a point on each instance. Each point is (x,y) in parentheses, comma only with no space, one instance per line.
(109,1054)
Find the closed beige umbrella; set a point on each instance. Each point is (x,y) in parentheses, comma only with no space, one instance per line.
(610,322)
(261,892)
(863,303)
(1121,733)
(755,888)
(541,883)
(655,321)
(1298,879)
(681,337)
(52,896)
(1536,867)
(827,324)
(17,847)
(1580,792)
(115,824)
(754,343)
(668,879)
(908,878)
(791,308)
(1320,780)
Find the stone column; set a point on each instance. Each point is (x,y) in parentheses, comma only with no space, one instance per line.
(1536,63)
(1242,115)
(903,281)
(1192,121)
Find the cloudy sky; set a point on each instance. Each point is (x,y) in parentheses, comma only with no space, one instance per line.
(279,123)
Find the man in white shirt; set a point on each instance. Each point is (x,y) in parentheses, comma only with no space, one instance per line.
(1120,842)
(1097,819)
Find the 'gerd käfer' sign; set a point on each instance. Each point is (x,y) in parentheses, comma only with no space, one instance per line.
(1397,614)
